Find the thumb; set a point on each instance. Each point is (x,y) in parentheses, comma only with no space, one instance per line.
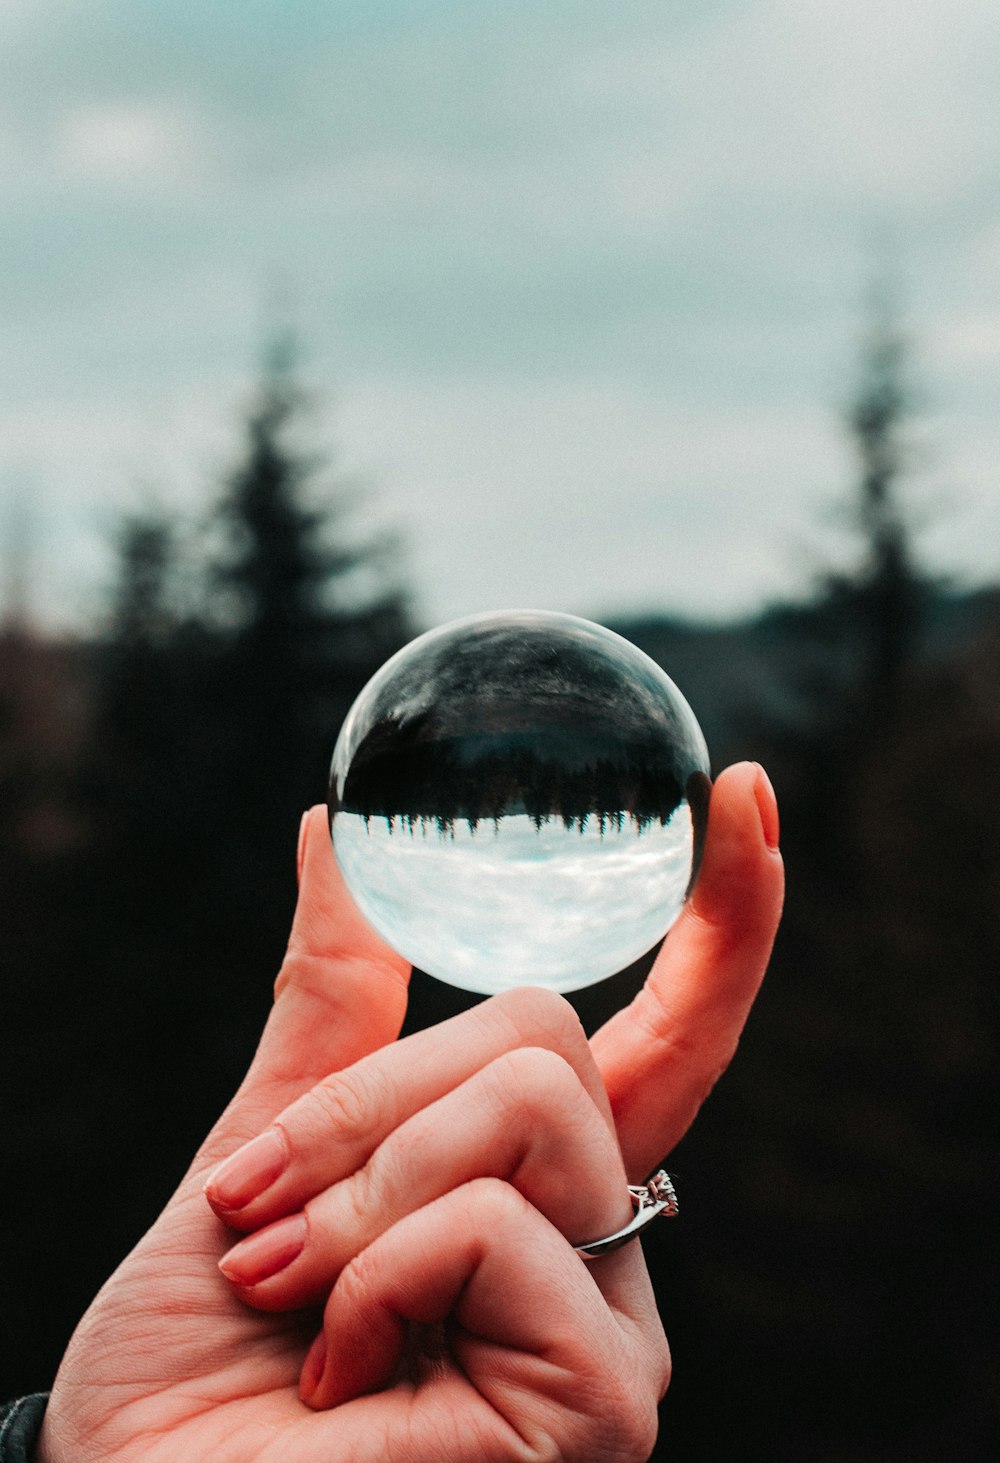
(340,993)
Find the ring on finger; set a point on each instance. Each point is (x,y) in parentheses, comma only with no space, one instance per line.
(654,1199)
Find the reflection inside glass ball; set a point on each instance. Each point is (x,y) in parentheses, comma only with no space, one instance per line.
(519,799)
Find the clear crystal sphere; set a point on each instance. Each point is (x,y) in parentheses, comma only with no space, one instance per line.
(519,799)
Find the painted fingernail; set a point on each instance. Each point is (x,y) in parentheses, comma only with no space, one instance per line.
(312,1367)
(267,1252)
(248,1172)
(767,807)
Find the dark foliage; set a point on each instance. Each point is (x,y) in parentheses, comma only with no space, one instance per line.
(395,772)
(828,1289)
(831,1297)
(148,857)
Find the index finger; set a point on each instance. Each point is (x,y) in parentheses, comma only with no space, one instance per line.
(340,994)
(661,1055)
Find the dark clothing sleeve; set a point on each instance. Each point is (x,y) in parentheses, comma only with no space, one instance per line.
(20,1424)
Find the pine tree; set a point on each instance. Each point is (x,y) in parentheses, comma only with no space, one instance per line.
(222,679)
(822,1255)
(138,728)
(887,591)
(141,959)
(295,641)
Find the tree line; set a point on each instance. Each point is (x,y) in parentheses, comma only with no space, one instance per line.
(827,1294)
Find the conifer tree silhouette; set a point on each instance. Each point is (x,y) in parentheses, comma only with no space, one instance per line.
(294,639)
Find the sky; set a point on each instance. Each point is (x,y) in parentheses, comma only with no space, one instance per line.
(579,287)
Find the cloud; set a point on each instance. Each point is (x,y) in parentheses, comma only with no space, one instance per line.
(567,251)
(588,495)
(554,907)
(140,143)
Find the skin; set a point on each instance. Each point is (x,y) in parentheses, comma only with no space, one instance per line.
(429,1305)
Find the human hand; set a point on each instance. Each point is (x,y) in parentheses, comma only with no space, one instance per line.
(168,1363)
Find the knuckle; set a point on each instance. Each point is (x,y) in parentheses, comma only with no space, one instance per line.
(359,1280)
(496,1204)
(372,971)
(536,1083)
(359,1195)
(347,1102)
(535,1012)
(703,1043)
(640,1430)
(340,983)
(618,1424)
(661,1364)
(627,1421)
(378,1189)
(652,1010)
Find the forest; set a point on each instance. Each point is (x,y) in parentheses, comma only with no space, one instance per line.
(829,1290)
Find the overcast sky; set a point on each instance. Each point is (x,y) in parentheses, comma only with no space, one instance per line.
(580,284)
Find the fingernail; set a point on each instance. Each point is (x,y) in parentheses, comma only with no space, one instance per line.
(303,840)
(266,1253)
(248,1172)
(312,1367)
(767,807)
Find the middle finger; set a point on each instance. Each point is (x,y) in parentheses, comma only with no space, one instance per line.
(334,1129)
(525,1118)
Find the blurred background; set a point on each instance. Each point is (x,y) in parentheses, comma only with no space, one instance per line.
(326,323)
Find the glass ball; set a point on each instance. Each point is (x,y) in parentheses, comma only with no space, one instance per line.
(519,798)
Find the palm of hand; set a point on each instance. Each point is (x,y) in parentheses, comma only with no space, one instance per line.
(192,1373)
(196,1375)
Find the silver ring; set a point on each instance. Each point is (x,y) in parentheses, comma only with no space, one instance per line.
(651,1199)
